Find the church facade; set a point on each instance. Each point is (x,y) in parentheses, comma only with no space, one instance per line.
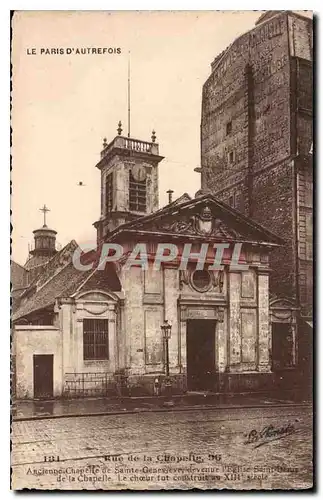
(91,324)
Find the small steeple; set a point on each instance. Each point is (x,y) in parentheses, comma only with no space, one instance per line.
(44,243)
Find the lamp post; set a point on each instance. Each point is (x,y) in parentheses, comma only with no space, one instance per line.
(166,329)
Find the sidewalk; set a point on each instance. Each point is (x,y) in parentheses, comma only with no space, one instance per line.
(30,410)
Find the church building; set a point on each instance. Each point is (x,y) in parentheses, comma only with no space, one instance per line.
(106,327)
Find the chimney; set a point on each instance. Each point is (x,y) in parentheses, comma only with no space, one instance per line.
(170,195)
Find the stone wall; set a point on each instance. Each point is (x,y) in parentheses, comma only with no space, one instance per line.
(273,197)
(247,93)
(257,103)
(29,340)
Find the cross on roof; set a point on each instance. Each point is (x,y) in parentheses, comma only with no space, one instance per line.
(44,209)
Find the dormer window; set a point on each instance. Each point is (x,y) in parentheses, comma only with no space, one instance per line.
(229,128)
(137,194)
(109,193)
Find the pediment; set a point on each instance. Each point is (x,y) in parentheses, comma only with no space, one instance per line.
(201,223)
(281,303)
(201,217)
(204,216)
(96,296)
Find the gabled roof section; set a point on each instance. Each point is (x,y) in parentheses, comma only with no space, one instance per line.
(17,275)
(203,217)
(105,279)
(181,199)
(63,283)
(52,279)
(53,267)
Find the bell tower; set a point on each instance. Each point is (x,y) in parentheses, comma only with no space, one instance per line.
(129,181)
(43,250)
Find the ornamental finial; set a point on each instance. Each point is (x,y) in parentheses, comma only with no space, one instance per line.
(119,129)
(153,136)
(105,143)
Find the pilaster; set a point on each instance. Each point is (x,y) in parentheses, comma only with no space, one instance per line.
(234,320)
(264,338)
(171,285)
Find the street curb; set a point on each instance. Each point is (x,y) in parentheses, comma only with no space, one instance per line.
(160,410)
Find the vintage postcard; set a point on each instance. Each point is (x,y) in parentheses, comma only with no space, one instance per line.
(162,255)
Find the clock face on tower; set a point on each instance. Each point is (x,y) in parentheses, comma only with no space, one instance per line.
(139,173)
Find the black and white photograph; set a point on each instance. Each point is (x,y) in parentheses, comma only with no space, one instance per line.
(162,250)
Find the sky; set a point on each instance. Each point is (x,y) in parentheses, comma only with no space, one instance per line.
(64,105)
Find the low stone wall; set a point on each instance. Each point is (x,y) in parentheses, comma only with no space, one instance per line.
(143,385)
(30,340)
(244,382)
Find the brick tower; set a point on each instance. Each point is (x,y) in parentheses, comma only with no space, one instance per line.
(257,142)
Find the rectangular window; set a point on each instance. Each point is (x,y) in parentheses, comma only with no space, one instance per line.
(137,194)
(231,201)
(229,128)
(109,193)
(95,339)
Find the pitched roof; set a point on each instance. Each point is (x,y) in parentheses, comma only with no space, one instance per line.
(52,267)
(38,295)
(36,261)
(17,275)
(234,223)
(64,283)
(181,199)
(62,279)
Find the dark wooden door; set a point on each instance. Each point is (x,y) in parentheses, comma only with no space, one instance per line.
(43,375)
(282,346)
(200,345)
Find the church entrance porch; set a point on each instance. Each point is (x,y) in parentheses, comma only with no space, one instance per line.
(200,344)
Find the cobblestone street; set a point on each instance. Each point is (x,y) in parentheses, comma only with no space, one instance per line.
(195,448)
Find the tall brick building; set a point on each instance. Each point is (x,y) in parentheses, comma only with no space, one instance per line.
(256,146)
